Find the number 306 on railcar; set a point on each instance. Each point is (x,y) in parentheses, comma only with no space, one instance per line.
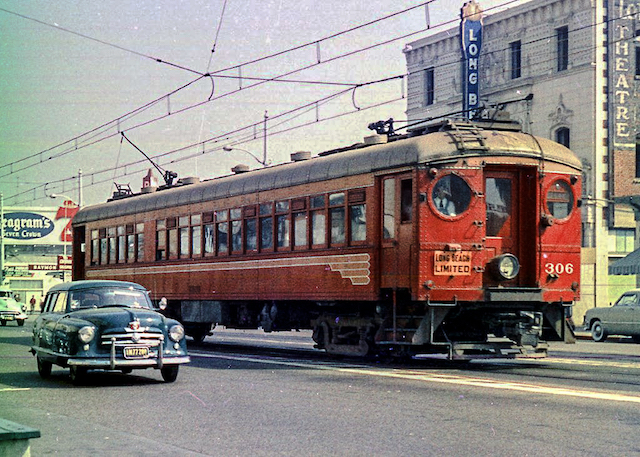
(461,239)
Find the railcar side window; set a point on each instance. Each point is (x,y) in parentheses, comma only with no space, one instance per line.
(250,228)
(172,241)
(451,195)
(121,243)
(209,246)
(161,240)
(196,235)
(389,209)
(560,199)
(318,220)
(111,234)
(336,218)
(300,229)
(140,242)
(236,230)
(104,253)
(222,232)
(95,247)
(183,236)
(358,219)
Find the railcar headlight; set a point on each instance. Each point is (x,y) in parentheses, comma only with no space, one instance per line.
(86,333)
(176,333)
(506,266)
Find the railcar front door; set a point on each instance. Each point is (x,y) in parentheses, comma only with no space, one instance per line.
(397,231)
(510,219)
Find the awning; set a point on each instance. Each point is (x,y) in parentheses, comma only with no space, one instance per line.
(629,265)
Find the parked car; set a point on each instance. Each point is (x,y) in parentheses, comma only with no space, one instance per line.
(10,309)
(623,318)
(109,325)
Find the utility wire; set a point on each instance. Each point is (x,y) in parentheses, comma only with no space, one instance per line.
(261,80)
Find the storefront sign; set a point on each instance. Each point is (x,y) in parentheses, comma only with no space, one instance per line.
(64,262)
(41,267)
(452,263)
(26,226)
(471,41)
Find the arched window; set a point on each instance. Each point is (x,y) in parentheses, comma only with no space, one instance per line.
(638,156)
(563,136)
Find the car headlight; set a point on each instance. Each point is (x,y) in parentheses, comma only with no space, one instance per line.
(506,266)
(86,334)
(176,333)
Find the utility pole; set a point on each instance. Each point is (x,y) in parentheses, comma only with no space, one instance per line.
(79,187)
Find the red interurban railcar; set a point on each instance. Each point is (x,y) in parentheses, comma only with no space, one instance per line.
(460,239)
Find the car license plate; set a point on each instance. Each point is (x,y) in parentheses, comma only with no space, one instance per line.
(8,317)
(136,352)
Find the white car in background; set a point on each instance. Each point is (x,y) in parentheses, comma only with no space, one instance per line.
(10,309)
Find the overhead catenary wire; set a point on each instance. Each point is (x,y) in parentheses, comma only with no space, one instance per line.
(261,80)
(274,79)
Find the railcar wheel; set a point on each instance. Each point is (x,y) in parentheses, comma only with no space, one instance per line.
(44,367)
(598,333)
(198,337)
(77,374)
(170,372)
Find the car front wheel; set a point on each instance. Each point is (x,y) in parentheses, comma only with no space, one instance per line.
(44,367)
(598,333)
(77,374)
(170,372)
(20,322)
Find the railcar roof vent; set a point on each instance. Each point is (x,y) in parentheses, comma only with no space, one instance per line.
(188,180)
(300,156)
(376,139)
(240,168)
(148,189)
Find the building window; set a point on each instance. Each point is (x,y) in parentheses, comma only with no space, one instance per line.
(563,136)
(429,89)
(621,240)
(516,59)
(562,54)
(638,60)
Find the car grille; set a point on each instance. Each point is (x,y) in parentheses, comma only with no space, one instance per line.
(9,313)
(128,339)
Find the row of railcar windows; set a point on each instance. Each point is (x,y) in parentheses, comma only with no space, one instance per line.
(121,244)
(315,222)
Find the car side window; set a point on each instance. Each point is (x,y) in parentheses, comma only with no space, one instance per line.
(627,300)
(49,301)
(60,305)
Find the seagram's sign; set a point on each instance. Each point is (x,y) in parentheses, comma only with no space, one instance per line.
(26,226)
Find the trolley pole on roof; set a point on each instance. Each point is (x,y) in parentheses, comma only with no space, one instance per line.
(264,150)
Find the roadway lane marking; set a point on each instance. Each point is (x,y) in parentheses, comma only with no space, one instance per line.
(14,389)
(441,379)
(594,363)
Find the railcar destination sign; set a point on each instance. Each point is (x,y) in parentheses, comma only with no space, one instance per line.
(471,41)
(26,226)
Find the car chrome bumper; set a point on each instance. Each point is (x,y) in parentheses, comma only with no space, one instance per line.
(123,363)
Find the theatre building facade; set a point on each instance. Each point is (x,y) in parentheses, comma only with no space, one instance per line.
(568,70)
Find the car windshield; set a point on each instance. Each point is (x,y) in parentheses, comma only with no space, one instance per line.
(109,296)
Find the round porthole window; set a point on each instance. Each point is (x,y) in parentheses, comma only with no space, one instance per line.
(451,195)
(560,199)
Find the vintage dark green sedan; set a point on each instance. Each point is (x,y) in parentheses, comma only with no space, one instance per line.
(107,325)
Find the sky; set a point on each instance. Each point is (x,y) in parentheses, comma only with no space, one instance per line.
(76,74)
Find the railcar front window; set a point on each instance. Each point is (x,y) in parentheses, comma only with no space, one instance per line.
(451,195)
(560,200)
(498,195)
